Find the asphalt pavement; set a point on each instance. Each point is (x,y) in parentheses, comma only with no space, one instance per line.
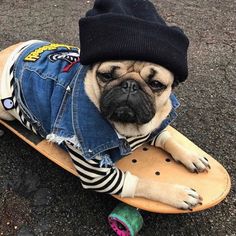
(39,198)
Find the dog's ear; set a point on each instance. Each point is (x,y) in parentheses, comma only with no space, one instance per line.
(94,66)
(176,81)
(91,66)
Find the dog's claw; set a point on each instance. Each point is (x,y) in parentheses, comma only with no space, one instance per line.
(192,199)
(206,163)
(182,197)
(195,170)
(194,162)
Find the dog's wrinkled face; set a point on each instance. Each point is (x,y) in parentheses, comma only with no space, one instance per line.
(129,93)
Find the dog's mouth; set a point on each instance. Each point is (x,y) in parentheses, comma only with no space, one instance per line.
(124,114)
(127,108)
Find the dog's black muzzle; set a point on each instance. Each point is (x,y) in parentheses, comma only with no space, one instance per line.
(127,103)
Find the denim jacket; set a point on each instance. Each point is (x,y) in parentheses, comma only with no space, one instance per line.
(49,86)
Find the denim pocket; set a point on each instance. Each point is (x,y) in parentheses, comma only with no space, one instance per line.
(25,113)
(34,93)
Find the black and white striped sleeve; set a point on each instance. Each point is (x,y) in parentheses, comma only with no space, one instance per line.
(108,179)
(160,139)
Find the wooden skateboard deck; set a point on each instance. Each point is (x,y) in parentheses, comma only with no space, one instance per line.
(148,162)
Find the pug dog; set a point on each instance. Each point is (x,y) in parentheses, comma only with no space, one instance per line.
(101,100)
(134,97)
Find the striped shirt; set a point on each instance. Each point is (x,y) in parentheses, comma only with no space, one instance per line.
(108,179)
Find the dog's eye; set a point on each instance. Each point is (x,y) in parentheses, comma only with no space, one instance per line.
(156,85)
(105,77)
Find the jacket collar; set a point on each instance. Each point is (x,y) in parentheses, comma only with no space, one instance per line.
(171,116)
(95,133)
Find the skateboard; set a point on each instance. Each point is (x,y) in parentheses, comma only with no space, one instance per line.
(148,162)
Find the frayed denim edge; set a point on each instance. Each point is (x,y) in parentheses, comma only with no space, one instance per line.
(60,139)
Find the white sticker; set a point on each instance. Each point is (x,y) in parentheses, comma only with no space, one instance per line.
(8,103)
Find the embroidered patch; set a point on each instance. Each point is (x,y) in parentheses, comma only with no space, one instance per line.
(71,57)
(7,103)
(35,55)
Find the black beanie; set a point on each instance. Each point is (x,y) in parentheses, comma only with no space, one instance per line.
(132,30)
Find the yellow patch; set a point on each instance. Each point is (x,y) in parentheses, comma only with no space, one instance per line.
(35,55)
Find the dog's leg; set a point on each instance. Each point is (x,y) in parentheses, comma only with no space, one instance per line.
(193,161)
(175,195)
(178,196)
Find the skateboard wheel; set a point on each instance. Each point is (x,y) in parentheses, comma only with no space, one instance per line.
(125,220)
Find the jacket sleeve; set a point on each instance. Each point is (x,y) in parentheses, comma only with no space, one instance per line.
(108,179)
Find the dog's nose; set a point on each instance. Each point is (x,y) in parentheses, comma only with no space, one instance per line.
(130,86)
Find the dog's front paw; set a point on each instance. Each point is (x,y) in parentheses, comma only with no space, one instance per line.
(194,162)
(175,195)
(183,197)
